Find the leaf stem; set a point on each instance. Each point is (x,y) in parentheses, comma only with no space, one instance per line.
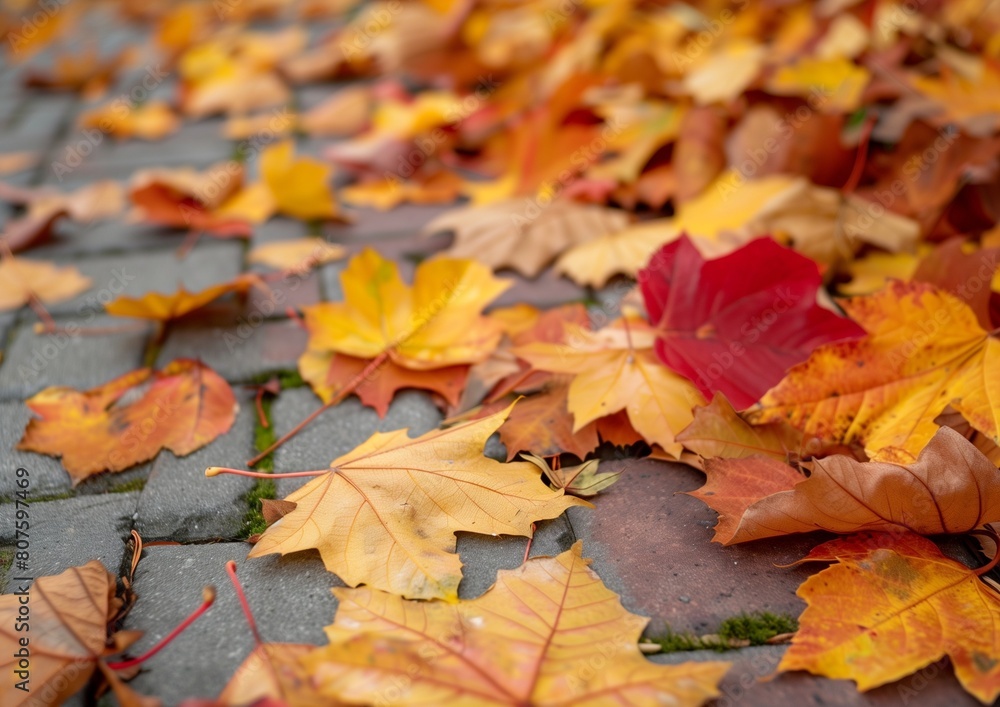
(217,470)
(351,386)
(208,597)
(231,571)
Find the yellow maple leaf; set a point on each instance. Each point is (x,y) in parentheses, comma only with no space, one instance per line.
(616,369)
(925,350)
(830,85)
(530,640)
(434,323)
(301,187)
(386,513)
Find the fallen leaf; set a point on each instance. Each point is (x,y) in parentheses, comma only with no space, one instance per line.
(830,85)
(872,271)
(522,234)
(163,308)
(727,324)
(726,72)
(68,622)
(29,230)
(344,113)
(128,420)
(891,605)
(301,187)
(22,279)
(623,252)
(521,643)
(387,512)
(296,254)
(615,369)
(440,187)
(273,671)
(582,480)
(328,373)
(734,485)
(150,121)
(13,162)
(718,431)
(190,199)
(951,488)
(433,324)
(542,424)
(924,351)
(967,275)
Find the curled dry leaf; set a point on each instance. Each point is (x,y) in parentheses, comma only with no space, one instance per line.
(728,324)
(387,512)
(68,632)
(521,643)
(522,234)
(582,480)
(924,350)
(181,407)
(950,488)
(891,605)
(22,279)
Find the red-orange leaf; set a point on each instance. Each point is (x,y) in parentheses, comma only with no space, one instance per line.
(128,420)
(891,605)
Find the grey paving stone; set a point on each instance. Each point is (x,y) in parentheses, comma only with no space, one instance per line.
(484,555)
(371,223)
(237,346)
(45,473)
(72,531)
(42,117)
(134,274)
(35,361)
(195,145)
(180,503)
(295,290)
(110,237)
(290,597)
(339,429)
(278,228)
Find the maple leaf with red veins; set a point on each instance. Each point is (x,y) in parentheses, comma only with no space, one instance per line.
(738,322)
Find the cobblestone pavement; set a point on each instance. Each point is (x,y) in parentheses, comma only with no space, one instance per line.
(649,542)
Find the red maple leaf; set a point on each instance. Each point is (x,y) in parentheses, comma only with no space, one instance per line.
(738,322)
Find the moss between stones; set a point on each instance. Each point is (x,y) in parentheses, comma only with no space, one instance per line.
(264,437)
(128,486)
(756,627)
(288,379)
(6,560)
(52,497)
